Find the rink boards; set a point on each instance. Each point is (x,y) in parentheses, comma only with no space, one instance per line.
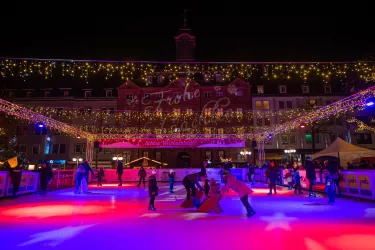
(354,183)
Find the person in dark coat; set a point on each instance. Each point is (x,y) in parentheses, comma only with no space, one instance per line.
(221,173)
(334,173)
(45,177)
(142,176)
(271,174)
(100,176)
(88,169)
(119,172)
(189,182)
(15,175)
(310,175)
(152,190)
(171,176)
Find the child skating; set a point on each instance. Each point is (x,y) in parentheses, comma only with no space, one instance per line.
(100,176)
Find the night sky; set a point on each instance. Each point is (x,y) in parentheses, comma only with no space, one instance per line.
(230,37)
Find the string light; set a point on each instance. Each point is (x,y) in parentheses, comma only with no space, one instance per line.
(361,125)
(126,70)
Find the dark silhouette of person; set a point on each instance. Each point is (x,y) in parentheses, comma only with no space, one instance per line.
(310,175)
(152,190)
(189,182)
(45,177)
(271,174)
(142,176)
(119,172)
(334,172)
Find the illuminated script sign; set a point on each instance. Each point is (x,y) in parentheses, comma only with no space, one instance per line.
(172,143)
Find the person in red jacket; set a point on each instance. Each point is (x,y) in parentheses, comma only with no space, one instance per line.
(242,189)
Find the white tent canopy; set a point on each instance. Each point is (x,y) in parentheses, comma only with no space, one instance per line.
(346,152)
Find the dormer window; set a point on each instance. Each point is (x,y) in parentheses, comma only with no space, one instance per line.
(47,94)
(87,93)
(206,77)
(108,93)
(149,79)
(129,97)
(219,77)
(327,89)
(66,93)
(147,96)
(207,94)
(305,89)
(160,78)
(260,89)
(282,89)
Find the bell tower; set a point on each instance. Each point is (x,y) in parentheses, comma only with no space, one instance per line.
(185,42)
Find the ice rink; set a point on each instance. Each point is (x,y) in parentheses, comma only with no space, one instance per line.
(112,217)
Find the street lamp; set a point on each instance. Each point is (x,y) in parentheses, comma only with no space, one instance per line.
(290,152)
(117,158)
(245,153)
(75,159)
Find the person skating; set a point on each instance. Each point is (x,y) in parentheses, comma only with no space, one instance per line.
(271,174)
(88,169)
(189,182)
(330,189)
(310,175)
(171,176)
(100,176)
(45,177)
(334,172)
(81,171)
(119,172)
(142,176)
(152,190)
(297,181)
(242,189)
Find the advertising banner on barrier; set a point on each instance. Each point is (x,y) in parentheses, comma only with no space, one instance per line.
(353,184)
(173,143)
(29,183)
(65,178)
(364,185)
(343,183)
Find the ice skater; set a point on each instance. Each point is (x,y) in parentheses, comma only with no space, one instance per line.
(310,174)
(45,177)
(81,171)
(100,176)
(142,176)
(331,189)
(152,190)
(297,181)
(171,176)
(242,189)
(189,182)
(119,172)
(271,174)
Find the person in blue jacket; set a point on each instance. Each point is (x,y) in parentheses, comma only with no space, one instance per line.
(171,176)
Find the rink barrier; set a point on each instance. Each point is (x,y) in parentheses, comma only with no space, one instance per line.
(354,183)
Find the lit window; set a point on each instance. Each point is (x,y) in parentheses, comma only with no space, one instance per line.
(206,77)
(220,131)
(189,111)
(258,104)
(219,112)
(266,104)
(219,94)
(159,112)
(260,89)
(207,111)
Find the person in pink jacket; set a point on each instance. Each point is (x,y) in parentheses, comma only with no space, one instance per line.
(242,189)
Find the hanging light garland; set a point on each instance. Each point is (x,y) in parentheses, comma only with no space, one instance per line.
(361,126)
(127,70)
(339,107)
